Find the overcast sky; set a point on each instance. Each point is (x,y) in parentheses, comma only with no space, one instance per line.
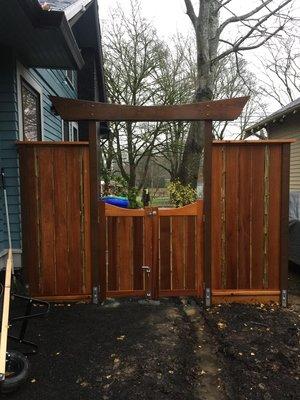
(169,17)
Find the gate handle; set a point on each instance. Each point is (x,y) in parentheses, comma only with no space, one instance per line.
(146,268)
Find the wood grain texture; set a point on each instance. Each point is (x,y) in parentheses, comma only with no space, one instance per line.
(219,110)
(165,253)
(216,227)
(231,204)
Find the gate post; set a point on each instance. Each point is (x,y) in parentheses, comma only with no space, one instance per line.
(96,218)
(207,175)
(151,247)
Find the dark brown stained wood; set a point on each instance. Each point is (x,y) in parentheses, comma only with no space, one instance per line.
(125,253)
(47,234)
(199,249)
(244,212)
(30,242)
(74,247)
(112,273)
(165,253)
(155,253)
(60,178)
(148,249)
(191,254)
(219,110)
(216,227)
(138,253)
(87,221)
(257,217)
(178,253)
(96,234)
(232,201)
(284,216)
(207,177)
(274,218)
(102,249)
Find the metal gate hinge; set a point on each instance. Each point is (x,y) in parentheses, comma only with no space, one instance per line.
(284,298)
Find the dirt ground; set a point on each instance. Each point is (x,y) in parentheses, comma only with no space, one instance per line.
(175,350)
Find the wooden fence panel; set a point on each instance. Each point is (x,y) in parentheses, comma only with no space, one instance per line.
(246,218)
(54,181)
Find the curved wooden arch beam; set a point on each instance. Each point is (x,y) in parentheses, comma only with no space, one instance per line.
(83,110)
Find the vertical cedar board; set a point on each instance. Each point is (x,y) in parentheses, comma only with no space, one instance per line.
(30,255)
(274,218)
(73,185)
(232,200)
(61,208)
(216,223)
(87,220)
(165,253)
(47,232)
(138,252)
(125,254)
(257,216)
(244,211)
(178,254)
(112,274)
(190,249)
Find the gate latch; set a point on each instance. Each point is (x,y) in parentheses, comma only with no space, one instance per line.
(146,268)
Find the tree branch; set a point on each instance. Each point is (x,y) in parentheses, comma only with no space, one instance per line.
(190,12)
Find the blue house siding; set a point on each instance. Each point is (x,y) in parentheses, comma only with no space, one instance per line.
(8,152)
(50,82)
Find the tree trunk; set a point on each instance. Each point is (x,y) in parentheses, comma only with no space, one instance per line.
(206,32)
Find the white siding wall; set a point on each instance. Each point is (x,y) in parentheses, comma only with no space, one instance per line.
(289,128)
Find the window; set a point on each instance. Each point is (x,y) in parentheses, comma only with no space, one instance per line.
(65,131)
(70,74)
(75,133)
(31,112)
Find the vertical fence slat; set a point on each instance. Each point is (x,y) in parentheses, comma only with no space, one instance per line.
(30,257)
(138,253)
(60,217)
(257,216)
(190,266)
(112,276)
(231,216)
(274,218)
(47,233)
(178,253)
(244,217)
(216,217)
(125,261)
(165,253)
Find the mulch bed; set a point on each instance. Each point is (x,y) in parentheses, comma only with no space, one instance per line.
(131,351)
(260,345)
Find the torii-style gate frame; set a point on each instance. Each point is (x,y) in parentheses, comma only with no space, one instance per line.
(93,112)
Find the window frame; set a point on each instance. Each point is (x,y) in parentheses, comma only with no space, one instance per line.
(25,75)
(71,81)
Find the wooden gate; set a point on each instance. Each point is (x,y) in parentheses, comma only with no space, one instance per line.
(154,251)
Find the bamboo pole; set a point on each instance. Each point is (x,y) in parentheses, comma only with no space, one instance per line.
(5,314)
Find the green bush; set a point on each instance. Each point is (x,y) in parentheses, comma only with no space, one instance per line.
(181,195)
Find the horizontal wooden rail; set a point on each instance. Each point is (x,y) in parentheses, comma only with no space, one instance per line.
(241,292)
(219,110)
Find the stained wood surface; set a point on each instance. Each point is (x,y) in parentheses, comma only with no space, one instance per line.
(219,110)
(169,241)
(55,197)
(251,189)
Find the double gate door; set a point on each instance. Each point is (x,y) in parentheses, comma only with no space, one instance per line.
(154,252)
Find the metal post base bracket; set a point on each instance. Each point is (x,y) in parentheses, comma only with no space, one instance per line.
(207,297)
(95,296)
(284,298)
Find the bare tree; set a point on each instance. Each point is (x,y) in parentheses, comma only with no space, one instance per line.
(132,55)
(220,31)
(281,66)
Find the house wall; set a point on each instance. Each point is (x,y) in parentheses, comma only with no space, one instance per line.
(289,128)
(49,82)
